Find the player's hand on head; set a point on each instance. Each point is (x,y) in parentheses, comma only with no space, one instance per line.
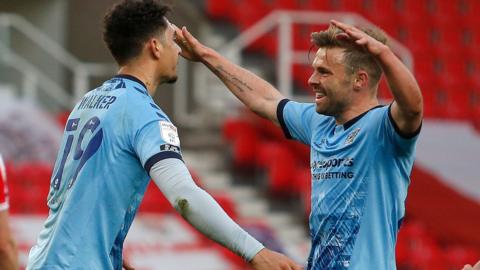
(192,49)
(360,38)
(469,267)
(271,260)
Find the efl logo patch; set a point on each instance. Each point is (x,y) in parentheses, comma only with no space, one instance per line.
(169,133)
(351,137)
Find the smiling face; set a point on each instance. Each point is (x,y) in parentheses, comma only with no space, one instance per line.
(330,82)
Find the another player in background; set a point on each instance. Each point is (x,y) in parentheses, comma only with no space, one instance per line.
(8,251)
(116,139)
(362,152)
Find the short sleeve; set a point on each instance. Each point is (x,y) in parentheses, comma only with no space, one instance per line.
(391,133)
(296,120)
(153,136)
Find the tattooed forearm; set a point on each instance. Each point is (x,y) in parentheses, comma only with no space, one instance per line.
(231,79)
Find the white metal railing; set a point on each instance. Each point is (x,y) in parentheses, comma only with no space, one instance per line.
(284,20)
(33,77)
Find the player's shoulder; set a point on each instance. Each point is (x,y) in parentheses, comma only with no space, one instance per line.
(376,113)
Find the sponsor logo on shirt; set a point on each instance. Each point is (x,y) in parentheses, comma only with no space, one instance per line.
(333,163)
(351,137)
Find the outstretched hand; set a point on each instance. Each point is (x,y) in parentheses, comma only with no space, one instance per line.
(360,38)
(271,260)
(192,49)
(469,267)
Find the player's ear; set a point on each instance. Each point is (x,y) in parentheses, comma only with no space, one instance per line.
(155,47)
(360,80)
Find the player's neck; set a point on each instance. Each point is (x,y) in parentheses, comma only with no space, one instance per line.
(143,75)
(355,110)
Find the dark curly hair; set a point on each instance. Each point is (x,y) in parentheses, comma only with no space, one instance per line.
(130,23)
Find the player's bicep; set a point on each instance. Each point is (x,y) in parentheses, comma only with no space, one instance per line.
(407,123)
(168,174)
(267,108)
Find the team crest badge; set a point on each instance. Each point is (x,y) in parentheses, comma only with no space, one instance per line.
(351,137)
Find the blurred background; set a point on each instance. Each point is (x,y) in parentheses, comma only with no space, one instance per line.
(52,53)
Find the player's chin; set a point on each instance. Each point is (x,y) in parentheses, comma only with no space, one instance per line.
(172,79)
(169,79)
(320,109)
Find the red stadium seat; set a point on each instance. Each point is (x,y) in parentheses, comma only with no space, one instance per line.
(301,37)
(457,257)
(280,165)
(220,9)
(302,181)
(384,92)
(154,201)
(269,152)
(413,7)
(317,5)
(452,102)
(418,37)
(303,184)
(402,251)
(301,74)
(233,127)
(381,13)
(282,4)
(268,129)
(280,178)
(427,257)
(469,11)
(245,149)
(300,150)
(227,203)
(249,12)
(62,119)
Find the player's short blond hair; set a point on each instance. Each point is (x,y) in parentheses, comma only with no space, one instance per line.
(355,57)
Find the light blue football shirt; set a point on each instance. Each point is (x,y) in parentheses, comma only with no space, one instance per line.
(360,176)
(112,138)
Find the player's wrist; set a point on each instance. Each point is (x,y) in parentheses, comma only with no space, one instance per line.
(384,53)
(259,257)
(252,248)
(209,56)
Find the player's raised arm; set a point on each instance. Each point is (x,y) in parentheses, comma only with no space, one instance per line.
(257,94)
(407,109)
